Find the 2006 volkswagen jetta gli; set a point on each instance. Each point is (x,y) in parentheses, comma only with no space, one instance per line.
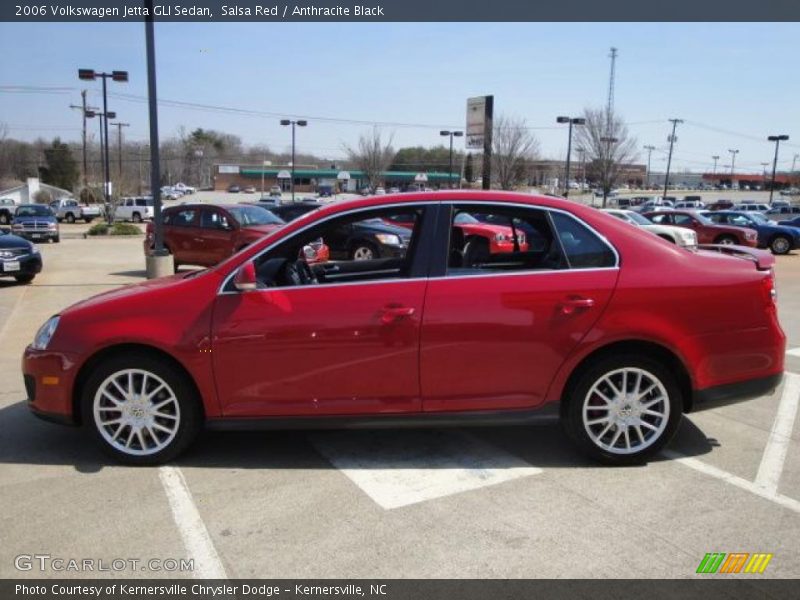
(606,326)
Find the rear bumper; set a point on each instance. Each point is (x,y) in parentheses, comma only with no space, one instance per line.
(731,393)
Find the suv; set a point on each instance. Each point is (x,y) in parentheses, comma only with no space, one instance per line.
(134,209)
(698,204)
(752,207)
(35,222)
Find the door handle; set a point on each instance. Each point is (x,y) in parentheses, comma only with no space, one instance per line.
(392,314)
(572,305)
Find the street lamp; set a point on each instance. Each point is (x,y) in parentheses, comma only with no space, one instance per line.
(733,163)
(451,134)
(120,77)
(299,123)
(572,121)
(777,139)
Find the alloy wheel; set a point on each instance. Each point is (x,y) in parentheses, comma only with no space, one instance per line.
(363,253)
(626,411)
(136,412)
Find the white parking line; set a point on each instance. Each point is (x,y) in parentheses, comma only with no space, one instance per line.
(749,486)
(397,469)
(771,467)
(793,352)
(11,312)
(196,540)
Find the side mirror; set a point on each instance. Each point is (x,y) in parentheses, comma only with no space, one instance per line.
(245,278)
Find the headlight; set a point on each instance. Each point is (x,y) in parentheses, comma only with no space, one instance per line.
(44,334)
(52,226)
(388,239)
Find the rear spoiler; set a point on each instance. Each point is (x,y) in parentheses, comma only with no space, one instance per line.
(763,259)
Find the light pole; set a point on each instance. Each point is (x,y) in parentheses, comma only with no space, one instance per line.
(607,140)
(119,76)
(733,163)
(572,121)
(649,153)
(450,171)
(777,139)
(299,123)
(671,139)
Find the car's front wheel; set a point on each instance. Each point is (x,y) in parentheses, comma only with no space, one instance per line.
(363,251)
(623,409)
(780,244)
(141,410)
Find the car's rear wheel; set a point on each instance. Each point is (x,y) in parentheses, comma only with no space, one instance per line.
(141,410)
(363,251)
(623,409)
(70,218)
(726,240)
(137,218)
(4,219)
(780,244)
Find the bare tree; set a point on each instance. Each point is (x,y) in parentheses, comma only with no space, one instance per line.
(513,148)
(609,147)
(371,156)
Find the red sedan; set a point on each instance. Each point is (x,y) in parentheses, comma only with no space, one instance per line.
(588,327)
(707,231)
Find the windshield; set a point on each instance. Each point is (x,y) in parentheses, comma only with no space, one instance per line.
(253,215)
(638,219)
(465,218)
(703,219)
(34,210)
(758,218)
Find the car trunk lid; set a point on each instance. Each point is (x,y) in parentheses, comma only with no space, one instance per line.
(763,260)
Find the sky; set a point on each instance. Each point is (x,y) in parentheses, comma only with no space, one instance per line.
(732,84)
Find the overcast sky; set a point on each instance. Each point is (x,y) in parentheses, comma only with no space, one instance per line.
(733,84)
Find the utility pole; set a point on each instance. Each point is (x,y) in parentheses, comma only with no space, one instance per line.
(649,153)
(777,139)
(83,108)
(672,139)
(716,158)
(733,163)
(119,127)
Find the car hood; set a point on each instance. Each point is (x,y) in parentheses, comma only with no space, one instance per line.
(378,227)
(488,228)
(261,230)
(8,240)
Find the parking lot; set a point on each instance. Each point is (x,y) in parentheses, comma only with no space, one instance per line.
(491,503)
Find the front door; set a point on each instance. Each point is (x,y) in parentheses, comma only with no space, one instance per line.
(498,326)
(344,342)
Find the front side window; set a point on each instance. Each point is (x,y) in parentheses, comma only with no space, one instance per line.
(213,219)
(182,218)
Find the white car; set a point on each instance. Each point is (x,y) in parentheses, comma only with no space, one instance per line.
(184,189)
(679,236)
(380,191)
(134,209)
(751,207)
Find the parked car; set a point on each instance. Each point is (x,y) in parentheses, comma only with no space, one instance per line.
(776,213)
(691,204)
(379,191)
(184,189)
(206,234)
(7,208)
(778,238)
(367,240)
(655,204)
(679,236)
(71,210)
(608,329)
(720,205)
(290,212)
(493,231)
(752,207)
(170,193)
(275,191)
(134,209)
(793,222)
(790,192)
(249,189)
(19,258)
(234,189)
(707,231)
(36,222)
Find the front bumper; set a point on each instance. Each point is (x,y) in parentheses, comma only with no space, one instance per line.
(37,235)
(29,264)
(49,381)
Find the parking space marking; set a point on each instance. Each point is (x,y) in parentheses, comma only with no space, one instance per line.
(749,486)
(793,352)
(12,312)
(771,467)
(195,536)
(408,467)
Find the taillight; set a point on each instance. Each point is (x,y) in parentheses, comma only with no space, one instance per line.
(770,291)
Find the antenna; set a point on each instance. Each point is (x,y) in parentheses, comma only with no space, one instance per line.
(612,76)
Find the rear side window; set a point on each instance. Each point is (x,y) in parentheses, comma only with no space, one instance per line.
(583,248)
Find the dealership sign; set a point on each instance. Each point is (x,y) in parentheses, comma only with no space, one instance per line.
(479,121)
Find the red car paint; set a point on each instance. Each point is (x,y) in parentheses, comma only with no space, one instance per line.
(461,344)
(707,232)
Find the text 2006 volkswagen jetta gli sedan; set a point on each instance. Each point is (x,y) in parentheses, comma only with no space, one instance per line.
(609,327)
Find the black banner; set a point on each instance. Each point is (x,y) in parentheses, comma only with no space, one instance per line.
(402,10)
(708,587)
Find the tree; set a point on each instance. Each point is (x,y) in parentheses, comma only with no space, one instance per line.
(61,170)
(609,147)
(513,148)
(425,160)
(371,156)
(468,169)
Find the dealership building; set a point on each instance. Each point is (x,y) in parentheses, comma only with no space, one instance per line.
(309,178)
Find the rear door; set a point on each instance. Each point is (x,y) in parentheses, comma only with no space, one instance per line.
(497,327)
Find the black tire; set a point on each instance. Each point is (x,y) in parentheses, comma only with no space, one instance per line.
(57,239)
(24,278)
(780,244)
(136,217)
(88,219)
(190,412)
(69,218)
(5,219)
(360,250)
(726,239)
(572,410)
